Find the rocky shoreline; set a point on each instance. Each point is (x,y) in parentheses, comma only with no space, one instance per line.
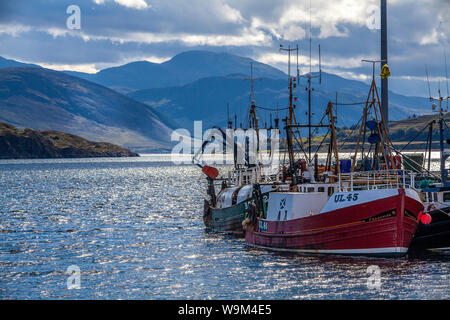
(41,144)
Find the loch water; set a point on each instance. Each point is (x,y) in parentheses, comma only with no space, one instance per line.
(133,228)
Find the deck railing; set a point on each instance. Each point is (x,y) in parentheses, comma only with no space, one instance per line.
(360,180)
(253,175)
(382,179)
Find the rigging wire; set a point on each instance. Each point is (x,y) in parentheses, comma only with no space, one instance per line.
(323,140)
(351,132)
(428,80)
(410,159)
(415,137)
(446,125)
(348,104)
(271,109)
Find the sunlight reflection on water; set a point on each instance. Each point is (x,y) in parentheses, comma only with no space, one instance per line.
(134,227)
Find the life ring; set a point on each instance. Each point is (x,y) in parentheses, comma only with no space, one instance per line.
(431,207)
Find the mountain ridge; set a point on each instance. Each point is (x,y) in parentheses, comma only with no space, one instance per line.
(9,63)
(183,68)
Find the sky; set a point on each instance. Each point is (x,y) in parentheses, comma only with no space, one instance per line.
(115,32)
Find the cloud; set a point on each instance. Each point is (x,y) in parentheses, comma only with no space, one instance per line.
(87,68)
(118,31)
(134,4)
(14,30)
(248,37)
(437,36)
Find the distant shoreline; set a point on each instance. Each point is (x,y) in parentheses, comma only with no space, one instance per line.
(50,144)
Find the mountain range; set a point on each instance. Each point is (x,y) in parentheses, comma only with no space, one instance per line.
(194,85)
(180,70)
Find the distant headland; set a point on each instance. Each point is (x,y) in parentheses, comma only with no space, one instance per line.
(38,144)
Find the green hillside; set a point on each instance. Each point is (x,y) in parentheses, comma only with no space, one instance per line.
(410,133)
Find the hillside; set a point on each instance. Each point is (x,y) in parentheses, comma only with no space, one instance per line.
(403,131)
(9,63)
(206,99)
(43,99)
(407,134)
(27,143)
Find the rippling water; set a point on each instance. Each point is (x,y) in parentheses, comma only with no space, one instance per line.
(134,228)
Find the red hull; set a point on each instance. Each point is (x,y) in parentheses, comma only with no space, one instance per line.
(381,227)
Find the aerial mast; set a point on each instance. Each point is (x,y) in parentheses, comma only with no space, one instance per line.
(309,77)
(290,118)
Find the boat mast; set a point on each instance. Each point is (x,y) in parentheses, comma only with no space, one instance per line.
(309,76)
(230,122)
(441,142)
(384,58)
(290,118)
(430,134)
(333,143)
(373,103)
(440,99)
(253,119)
(309,85)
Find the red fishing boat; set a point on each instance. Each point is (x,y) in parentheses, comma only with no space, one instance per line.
(355,221)
(363,206)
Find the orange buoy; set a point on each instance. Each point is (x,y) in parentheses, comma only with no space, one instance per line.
(425,218)
(210,172)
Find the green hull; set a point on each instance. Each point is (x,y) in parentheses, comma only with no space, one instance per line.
(226,219)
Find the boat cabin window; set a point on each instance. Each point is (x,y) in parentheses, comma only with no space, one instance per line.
(311,189)
(447,197)
(321,189)
(430,198)
(330,191)
(435,196)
